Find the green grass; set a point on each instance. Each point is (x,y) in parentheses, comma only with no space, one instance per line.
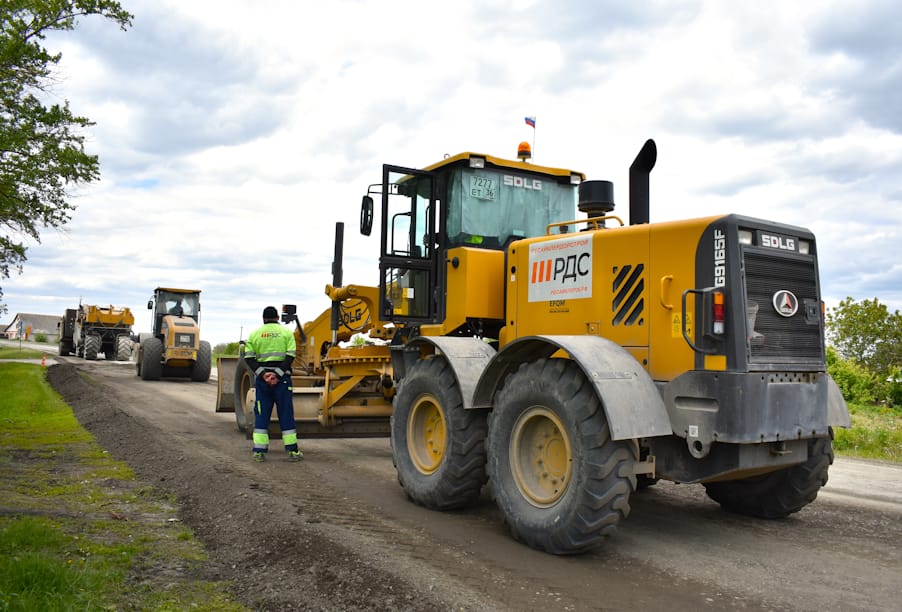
(9,352)
(77,531)
(876,433)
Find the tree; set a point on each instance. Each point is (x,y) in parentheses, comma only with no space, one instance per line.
(42,152)
(868,334)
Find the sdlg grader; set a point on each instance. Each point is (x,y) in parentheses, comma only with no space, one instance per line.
(570,362)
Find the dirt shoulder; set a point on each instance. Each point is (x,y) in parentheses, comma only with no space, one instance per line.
(292,567)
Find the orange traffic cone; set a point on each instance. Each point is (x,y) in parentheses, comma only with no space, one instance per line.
(43,361)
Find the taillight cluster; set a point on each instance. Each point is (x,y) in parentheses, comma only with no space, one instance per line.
(719,317)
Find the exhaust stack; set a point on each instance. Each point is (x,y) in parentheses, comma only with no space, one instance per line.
(639,171)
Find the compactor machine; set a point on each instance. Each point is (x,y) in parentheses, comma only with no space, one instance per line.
(174,348)
(571,361)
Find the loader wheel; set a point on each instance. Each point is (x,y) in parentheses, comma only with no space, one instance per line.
(560,481)
(244,382)
(123,348)
(65,348)
(200,372)
(777,494)
(152,359)
(250,403)
(438,448)
(92,347)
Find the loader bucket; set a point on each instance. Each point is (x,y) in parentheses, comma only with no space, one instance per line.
(225,389)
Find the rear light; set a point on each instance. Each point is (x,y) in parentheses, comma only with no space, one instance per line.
(718,311)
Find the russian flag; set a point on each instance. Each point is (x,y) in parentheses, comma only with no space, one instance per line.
(531,122)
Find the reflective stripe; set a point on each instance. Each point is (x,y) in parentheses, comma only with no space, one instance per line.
(290,437)
(261,439)
(265,356)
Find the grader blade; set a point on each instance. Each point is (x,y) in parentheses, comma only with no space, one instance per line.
(225,388)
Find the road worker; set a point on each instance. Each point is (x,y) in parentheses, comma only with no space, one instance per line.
(269,352)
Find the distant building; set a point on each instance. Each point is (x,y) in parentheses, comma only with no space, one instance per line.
(27,326)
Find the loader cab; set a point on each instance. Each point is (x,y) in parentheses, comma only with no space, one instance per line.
(468,201)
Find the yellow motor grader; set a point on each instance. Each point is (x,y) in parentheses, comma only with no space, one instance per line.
(571,361)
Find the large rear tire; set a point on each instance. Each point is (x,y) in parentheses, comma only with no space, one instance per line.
(244,382)
(151,359)
(438,448)
(123,348)
(92,347)
(200,372)
(777,494)
(561,482)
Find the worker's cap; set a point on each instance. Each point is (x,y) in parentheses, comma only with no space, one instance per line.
(270,314)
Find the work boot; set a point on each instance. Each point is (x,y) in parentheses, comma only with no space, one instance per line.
(259,457)
(295,455)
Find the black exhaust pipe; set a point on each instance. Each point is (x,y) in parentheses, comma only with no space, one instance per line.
(337,277)
(639,171)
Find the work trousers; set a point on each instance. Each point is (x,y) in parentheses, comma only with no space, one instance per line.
(280,395)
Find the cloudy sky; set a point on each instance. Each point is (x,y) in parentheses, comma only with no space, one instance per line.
(232,135)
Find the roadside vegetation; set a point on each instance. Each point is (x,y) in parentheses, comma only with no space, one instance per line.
(864,359)
(225,349)
(77,530)
(9,352)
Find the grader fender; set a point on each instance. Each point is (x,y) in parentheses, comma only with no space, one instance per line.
(632,403)
(468,357)
(225,375)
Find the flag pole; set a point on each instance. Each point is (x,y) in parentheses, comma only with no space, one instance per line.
(531,122)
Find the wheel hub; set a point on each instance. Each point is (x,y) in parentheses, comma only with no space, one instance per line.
(541,457)
(426,434)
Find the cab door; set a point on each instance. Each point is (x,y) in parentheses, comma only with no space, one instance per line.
(408,270)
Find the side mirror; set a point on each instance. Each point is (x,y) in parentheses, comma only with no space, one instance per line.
(149,304)
(366,215)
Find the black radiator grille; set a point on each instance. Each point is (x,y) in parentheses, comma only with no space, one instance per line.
(776,338)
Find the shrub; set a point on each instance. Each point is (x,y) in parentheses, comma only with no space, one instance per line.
(856,382)
(40,337)
(226,348)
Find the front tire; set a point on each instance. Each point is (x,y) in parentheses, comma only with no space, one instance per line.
(438,448)
(200,372)
(151,359)
(561,482)
(777,494)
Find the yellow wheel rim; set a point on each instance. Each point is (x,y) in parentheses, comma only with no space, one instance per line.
(426,434)
(541,457)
